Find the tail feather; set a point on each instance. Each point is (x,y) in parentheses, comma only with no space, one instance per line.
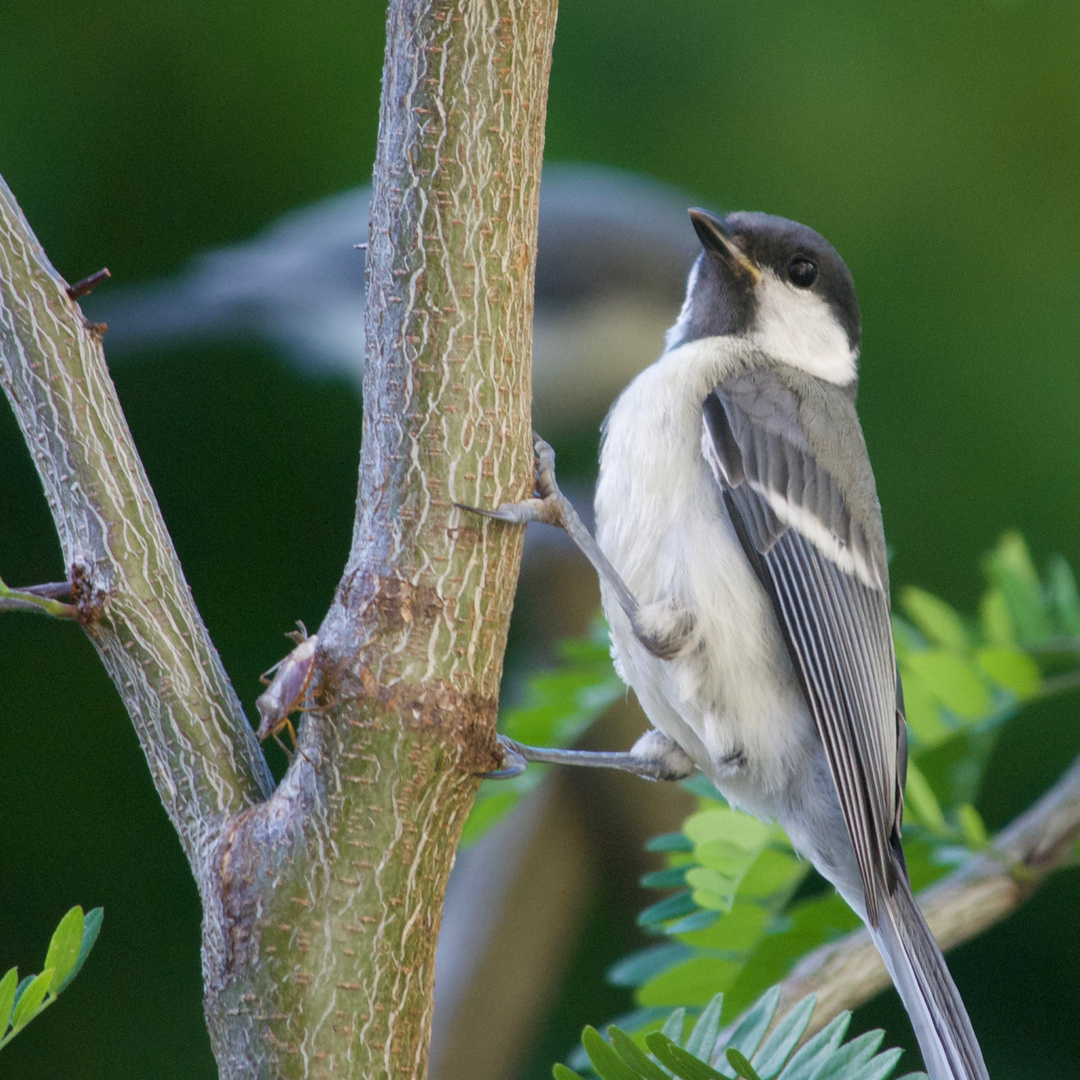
(949,1047)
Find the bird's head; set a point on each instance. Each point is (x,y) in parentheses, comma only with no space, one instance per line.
(780,285)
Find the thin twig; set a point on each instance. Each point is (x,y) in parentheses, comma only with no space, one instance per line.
(88,284)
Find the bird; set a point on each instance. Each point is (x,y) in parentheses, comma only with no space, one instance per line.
(611,260)
(744,575)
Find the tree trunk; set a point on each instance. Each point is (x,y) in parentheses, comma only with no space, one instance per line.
(322,902)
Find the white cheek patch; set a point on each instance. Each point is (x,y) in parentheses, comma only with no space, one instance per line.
(798,327)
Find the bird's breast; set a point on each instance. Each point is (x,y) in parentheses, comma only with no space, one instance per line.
(660,519)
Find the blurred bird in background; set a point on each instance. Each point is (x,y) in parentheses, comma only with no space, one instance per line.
(612,257)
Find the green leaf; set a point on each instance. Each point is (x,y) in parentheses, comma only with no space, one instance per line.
(741,1066)
(804,1064)
(65,946)
(772,872)
(1064,597)
(740,929)
(91,929)
(682,1063)
(29,1003)
(638,968)
(750,1030)
(673,877)
(693,982)
(973,827)
(852,1055)
(604,1058)
(1010,568)
(951,678)
(561,1072)
(770,1058)
(921,710)
(711,888)
(936,619)
(702,1039)
(674,1024)
(671,907)
(723,823)
(634,1056)
(672,841)
(995,620)
(880,1067)
(921,799)
(7,996)
(1013,669)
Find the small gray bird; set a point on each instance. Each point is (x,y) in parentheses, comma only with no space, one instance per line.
(744,576)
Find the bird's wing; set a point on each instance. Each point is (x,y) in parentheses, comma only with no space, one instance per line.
(827,587)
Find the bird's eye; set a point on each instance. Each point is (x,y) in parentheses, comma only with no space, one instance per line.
(802,272)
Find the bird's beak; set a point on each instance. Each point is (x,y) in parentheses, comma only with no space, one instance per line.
(715,236)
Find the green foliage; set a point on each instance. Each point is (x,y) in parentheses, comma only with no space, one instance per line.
(560,705)
(746,907)
(71,943)
(708,1053)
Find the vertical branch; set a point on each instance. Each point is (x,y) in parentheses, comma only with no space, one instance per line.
(333,890)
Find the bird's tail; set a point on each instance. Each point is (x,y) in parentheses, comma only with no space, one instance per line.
(949,1047)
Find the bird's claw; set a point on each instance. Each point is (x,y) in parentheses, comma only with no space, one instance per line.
(514,763)
(549,508)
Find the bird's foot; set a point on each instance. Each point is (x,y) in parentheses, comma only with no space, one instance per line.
(550,505)
(653,757)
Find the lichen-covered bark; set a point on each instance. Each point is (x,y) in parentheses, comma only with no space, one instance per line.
(333,889)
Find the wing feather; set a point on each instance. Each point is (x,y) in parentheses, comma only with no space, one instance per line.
(828,593)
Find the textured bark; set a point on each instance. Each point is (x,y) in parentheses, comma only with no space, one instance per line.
(334,887)
(131,594)
(322,900)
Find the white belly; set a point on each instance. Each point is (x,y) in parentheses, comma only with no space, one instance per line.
(731,692)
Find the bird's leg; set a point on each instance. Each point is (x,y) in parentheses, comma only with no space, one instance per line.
(654,757)
(554,508)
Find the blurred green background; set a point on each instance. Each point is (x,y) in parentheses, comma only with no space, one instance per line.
(937,145)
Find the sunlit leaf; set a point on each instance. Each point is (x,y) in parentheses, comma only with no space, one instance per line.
(995,620)
(951,678)
(936,619)
(738,930)
(692,982)
(920,799)
(1013,669)
(922,711)
(7,996)
(29,1003)
(771,872)
(64,947)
